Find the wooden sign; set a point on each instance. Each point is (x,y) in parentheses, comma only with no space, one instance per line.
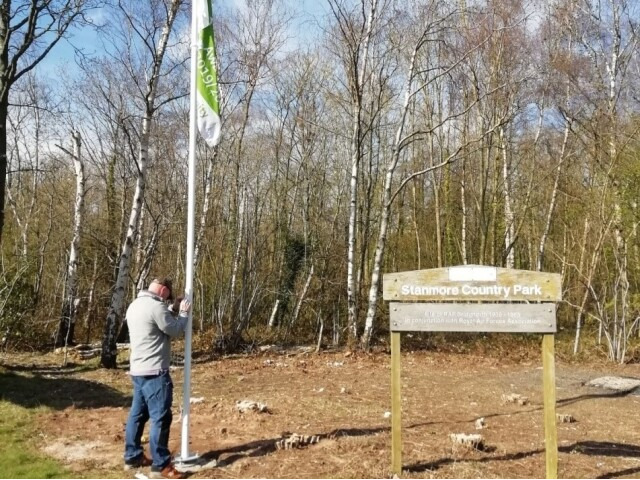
(465,317)
(499,289)
(469,283)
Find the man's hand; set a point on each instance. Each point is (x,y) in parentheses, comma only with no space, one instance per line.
(185,306)
(175,306)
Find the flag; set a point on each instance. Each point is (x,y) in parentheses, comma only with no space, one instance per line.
(208,110)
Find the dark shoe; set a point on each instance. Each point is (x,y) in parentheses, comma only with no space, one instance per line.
(168,472)
(140,462)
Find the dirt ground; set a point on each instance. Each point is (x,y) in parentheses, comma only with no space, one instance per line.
(340,401)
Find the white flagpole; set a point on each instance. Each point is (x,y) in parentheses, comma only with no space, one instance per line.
(193,128)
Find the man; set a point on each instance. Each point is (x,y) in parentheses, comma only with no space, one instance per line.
(151,325)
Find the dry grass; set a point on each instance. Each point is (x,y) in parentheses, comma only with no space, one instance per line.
(342,398)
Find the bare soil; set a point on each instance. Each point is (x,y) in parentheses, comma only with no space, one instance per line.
(342,399)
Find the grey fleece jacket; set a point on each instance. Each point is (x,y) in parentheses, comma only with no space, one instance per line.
(151,326)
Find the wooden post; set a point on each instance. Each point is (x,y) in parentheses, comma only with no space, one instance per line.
(396,406)
(549,386)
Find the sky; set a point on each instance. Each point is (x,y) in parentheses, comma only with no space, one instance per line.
(61,58)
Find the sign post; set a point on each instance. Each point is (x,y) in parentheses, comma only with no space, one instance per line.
(396,405)
(549,385)
(446,300)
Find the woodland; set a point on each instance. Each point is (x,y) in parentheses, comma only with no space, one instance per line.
(365,137)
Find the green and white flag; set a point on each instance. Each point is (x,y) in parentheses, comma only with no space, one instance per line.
(208,110)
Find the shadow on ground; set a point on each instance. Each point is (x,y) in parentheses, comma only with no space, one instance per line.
(607,449)
(58,392)
(258,448)
(560,403)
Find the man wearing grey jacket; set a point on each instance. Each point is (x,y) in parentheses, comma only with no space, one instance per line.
(151,324)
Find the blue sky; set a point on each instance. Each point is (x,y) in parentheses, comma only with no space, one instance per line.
(61,58)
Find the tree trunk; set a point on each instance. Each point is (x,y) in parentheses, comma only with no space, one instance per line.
(206,202)
(554,197)
(436,203)
(303,294)
(356,153)
(116,305)
(352,318)
(3,156)
(69,305)
(509,225)
(463,213)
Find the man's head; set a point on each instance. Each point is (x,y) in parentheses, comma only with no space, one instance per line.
(162,287)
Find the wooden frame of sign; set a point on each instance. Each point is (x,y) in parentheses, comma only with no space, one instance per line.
(448,300)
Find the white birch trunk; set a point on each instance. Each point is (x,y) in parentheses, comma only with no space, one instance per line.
(353,209)
(307,284)
(320,331)
(237,252)
(554,197)
(274,313)
(436,203)
(146,255)
(386,208)
(109,350)
(206,204)
(139,242)
(415,226)
(352,319)
(509,233)
(69,305)
(463,206)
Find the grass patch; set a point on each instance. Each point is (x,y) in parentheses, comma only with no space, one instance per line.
(28,393)
(19,458)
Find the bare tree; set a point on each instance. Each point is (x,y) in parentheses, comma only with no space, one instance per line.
(606,33)
(255,37)
(433,26)
(29,29)
(354,32)
(25,154)
(66,326)
(153,36)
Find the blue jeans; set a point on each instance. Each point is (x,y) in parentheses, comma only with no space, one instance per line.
(152,397)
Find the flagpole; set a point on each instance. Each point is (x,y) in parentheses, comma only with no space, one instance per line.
(186,387)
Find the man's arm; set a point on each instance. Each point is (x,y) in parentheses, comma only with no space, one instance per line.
(171,325)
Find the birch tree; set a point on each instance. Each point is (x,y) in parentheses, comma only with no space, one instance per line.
(255,36)
(25,155)
(354,32)
(152,34)
(66,326)
(609,37)
(29,30)
(437,21)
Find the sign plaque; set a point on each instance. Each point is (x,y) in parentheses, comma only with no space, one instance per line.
(484,317)
(471,283)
